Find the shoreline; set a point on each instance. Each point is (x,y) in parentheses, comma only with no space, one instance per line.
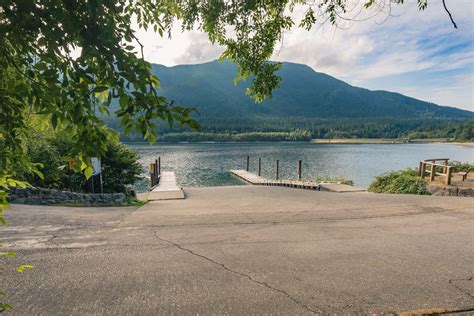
(373,141)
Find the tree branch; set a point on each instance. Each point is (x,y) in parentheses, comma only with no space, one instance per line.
(450,16)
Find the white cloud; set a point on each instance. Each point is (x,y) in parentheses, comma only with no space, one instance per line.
(408,43)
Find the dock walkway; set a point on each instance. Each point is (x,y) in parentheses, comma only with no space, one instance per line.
(299,184)
(166,189)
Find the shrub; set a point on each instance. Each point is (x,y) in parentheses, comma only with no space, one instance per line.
(340,180)
(461,166)
(120,165)
(399,182)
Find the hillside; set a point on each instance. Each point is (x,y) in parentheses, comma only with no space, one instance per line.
(309,100)
(303,92)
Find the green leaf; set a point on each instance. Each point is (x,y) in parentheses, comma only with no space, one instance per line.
(88,172)
(99,89)
(23,267)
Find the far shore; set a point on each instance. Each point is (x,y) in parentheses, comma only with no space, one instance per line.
(320,141)
(387,141)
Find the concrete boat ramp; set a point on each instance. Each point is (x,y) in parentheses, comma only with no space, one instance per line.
(299,184)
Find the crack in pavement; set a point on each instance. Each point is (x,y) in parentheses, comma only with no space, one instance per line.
(460,288)
(299,221)
(249,277)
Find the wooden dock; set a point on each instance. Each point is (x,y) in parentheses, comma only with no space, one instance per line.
(166,189)
(299,184)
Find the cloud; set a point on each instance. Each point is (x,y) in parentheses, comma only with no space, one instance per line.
(401,54)
(198,50)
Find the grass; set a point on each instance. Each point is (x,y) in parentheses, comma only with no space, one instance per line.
(338,180)
(400,182)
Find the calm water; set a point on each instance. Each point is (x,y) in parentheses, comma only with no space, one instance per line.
(209,164)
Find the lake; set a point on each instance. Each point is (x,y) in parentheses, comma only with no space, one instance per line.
(208,164)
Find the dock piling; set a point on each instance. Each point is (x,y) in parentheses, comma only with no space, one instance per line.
(259,167)
(248,162)
(152,174)
(277,169)
(159,165)
(299,169)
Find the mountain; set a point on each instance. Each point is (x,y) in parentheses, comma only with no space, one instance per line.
(307,103)
(303,93)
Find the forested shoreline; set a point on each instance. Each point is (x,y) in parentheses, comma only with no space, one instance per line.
(283,130)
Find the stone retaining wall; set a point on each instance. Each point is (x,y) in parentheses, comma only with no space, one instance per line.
(450,191)
(42,196)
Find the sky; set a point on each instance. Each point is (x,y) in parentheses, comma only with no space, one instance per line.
(416,53)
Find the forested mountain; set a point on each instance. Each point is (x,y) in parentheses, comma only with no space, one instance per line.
(303,93)
(307,100)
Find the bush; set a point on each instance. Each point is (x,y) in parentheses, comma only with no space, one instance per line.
(120,166)
(399,182)
(340,180)
(461,166)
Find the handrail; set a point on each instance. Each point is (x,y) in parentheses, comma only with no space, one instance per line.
(446,169)
(436,159)
(439,165)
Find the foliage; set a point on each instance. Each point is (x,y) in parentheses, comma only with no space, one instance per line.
(39,73)
(5,183)
(215,129)
(297,135)
(339,180)
(399,182)
(463,131)
(461,166)
(120,165)
(121,169)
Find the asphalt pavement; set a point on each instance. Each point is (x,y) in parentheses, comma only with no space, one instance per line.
(244,250)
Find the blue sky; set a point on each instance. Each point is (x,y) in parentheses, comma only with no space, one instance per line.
(416,53)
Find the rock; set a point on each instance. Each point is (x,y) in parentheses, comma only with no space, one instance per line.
(466,192)
(43,196)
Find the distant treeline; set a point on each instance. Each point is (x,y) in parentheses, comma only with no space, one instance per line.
(298,135)
(265,128)
(456,131)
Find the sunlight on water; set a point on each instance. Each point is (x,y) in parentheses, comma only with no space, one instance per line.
(209,164)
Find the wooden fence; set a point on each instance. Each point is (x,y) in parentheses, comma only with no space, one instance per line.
(431,167)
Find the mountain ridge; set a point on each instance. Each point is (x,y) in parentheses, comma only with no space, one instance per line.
(303,92)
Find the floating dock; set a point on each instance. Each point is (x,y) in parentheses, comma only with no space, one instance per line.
(299,184)
(166,189)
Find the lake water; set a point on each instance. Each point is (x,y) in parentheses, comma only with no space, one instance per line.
(208,164)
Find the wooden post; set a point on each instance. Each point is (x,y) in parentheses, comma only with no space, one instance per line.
(448,175)
(432,173)
(278,169)
(259,167)
(156,169)
(299,169)
(248,162)
(152,168)
(159,166)
(423,168)
(420,168)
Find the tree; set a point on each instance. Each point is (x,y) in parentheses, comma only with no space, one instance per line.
(38,73)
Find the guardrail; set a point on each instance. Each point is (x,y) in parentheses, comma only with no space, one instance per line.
(446,170)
